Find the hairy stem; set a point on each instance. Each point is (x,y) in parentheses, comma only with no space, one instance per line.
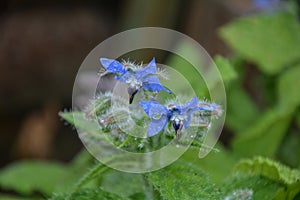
(97,169)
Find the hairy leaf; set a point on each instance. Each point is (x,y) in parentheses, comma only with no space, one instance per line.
(88,193)
(268,168)
(79,120)
(274,171)
(183,181)
(247,187)
(123,184)
(212,162)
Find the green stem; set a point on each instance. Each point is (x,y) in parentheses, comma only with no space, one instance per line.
(97,169)
(128,138)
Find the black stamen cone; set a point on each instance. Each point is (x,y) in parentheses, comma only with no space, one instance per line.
(177,128)
(132,96)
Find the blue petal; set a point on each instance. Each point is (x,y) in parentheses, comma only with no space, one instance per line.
(186,123)
(158,114)
(159,119)
(149,69)
(190,106)
(208,107)
(147,105)
(113,66)
(188,109)
(153,87)
(152,83)
(157,109)
(125,77)
(156,126)
(151,80)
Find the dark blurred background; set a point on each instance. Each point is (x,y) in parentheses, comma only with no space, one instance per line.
(42,44)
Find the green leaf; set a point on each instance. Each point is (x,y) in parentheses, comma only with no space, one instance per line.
(90,126)
(264,136)
(187,70)
(10,197)
(226,69)
(123,184)
(289,150)
(288,91)
(183,181)
(247,187)
(68,116)
(268,168)
(241,110)
(270,40)
(298,119)
(88,193)
(211,163)
(28,176)
(83,159)
(79,120)
(274,171)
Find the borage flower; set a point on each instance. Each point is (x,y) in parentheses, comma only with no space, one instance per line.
(179,116)
(136,77)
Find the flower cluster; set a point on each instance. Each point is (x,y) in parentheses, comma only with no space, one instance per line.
(180,116)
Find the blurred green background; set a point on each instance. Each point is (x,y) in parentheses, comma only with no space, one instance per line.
(256,46)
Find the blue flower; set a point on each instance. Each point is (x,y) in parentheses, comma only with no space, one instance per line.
(266,3)
(270,6)
(135,77)
(179,116)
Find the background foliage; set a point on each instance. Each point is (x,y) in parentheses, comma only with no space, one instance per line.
(261,159)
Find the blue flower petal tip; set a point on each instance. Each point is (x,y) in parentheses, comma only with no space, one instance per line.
(152,62)
(106,62)
(113,66)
